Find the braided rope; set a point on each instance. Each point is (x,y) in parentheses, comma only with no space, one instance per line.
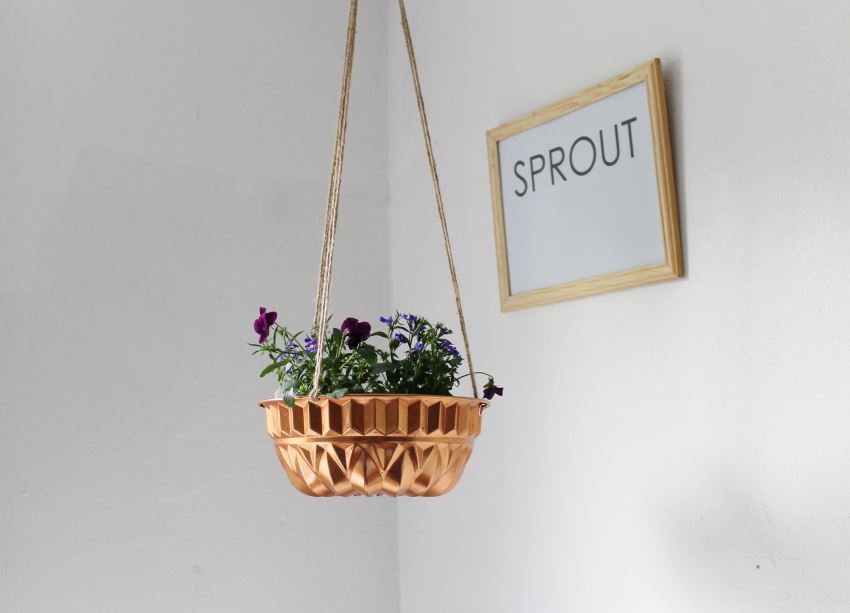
(435,178)
(320,321)
(332,213)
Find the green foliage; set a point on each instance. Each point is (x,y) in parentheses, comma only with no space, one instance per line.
(412,356)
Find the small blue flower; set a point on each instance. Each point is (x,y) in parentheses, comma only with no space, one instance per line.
(448,345)
(411,319)
(311,345)
(418,347)
(401,338)
(386,320)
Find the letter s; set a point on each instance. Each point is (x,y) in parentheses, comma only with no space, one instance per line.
(521,178)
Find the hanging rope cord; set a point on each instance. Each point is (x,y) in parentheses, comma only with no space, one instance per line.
(332,212)
(320,321)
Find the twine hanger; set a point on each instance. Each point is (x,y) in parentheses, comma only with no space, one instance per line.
(320,322)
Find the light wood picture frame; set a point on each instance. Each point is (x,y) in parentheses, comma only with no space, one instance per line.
(561,235)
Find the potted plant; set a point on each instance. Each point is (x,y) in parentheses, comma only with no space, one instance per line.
(380,417)
(356,415)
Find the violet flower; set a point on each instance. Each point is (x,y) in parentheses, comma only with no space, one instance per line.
(418,347)
(311,344)
(401,338)
(263,323)
(491,390)
(356,331)
(386,320)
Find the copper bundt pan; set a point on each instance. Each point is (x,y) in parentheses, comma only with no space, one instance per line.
(399,445)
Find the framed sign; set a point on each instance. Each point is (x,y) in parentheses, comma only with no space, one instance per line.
(584,199)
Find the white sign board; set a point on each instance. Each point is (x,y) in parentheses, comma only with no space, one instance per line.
(583,193)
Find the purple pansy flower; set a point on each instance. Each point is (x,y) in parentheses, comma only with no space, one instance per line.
(386,320)
(356,331)
(264,322)
(491,390)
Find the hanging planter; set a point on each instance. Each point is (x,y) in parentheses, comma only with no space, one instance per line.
(400,445)
(363,412)
(368,412)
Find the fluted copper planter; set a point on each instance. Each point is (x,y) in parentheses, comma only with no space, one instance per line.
(400,445)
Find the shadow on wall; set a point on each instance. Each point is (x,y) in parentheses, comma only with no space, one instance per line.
(676,126)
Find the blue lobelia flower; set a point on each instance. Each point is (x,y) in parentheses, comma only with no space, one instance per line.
(450,346)
(311,344)
(386,320)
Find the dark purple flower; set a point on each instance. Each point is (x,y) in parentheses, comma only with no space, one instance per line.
(409,318)
(418,347)
(356,331)
(491,390)
(450,346)
(386,320)
(401,338)
(311,344)
(263,323)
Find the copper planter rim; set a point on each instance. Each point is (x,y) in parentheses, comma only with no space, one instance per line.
(482,401)
(375,444)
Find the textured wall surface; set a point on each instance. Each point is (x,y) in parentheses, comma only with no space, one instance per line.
(163,171)
(677,447)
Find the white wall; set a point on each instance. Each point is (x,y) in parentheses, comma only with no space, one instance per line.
(677,447)
(163,172)
(163,168)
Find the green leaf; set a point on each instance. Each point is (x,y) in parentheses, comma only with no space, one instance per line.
(272,367)
(384,367)
(368,353)
(339,393)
